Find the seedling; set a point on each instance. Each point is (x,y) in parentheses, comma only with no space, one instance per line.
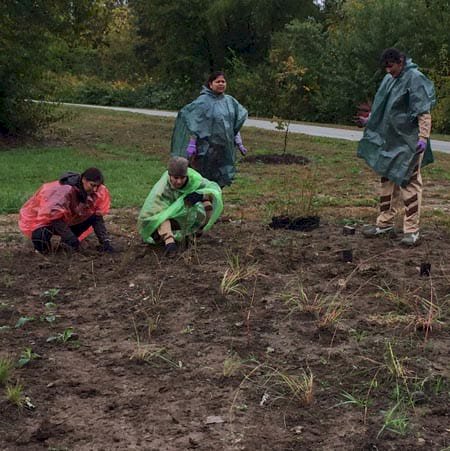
(27,356)
(330,315)
(353,400)
(395,420)
(23,320)
(14,394)
(231,365)
(52,293)
(234,275)
(148,355)
(63,337)
(6,366)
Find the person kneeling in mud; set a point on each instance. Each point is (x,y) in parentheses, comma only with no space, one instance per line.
(71,208)
(181,204)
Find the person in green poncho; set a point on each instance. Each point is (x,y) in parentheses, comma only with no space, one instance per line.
(396,142)
(181,204)
(207,132)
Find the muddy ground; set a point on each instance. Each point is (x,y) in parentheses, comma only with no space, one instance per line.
(164,358)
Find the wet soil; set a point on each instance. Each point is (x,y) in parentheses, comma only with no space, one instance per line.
(167,358)
(286,158)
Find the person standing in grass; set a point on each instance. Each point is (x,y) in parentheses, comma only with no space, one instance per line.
(207,132)
(181,204)
(396,142)
(70,208)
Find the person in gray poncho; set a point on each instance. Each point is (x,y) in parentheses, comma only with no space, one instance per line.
(207,132)
(396,142)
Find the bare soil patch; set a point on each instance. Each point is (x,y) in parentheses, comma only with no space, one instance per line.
(286,158)
(167,360)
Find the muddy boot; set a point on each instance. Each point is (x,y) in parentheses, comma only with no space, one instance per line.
(170,250)
(410,239)
(373,231)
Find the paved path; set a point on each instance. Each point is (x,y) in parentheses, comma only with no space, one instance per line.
(312,130)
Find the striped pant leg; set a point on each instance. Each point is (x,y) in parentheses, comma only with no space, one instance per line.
(389,194)
(412,199)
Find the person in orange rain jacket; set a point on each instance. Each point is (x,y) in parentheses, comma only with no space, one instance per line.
(71,208)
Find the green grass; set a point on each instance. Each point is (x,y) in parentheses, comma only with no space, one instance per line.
(132,150)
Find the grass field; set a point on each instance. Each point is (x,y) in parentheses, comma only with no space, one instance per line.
(132,151)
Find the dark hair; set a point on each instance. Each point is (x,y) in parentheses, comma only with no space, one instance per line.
(391,55)
(93,175)
(213,76)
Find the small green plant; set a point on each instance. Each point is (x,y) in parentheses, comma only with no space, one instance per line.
(331,314)
(63,337)
(234,275)
(353,400)
(148,354)
(299,300)
(23,320)
(189,329)
(51,293)
(6,366)
(27,356)
(395,420)
(231,365)
(14,394)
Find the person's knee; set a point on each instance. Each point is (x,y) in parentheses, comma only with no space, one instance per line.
(41,239)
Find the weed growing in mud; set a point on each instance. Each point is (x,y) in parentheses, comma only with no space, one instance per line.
(299,300)
(234,275)
(231,365)
(147,354)
(27,356)
(6,366)
(278,384)
(395,420)
(331,314)
(14,394)
(350,399)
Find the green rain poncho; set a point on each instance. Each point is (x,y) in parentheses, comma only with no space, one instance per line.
(165,202)
(214,120)
(389,142)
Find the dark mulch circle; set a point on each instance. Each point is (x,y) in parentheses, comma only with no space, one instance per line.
(276,159)
(303,223)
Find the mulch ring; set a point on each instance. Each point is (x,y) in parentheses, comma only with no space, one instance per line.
(277,159)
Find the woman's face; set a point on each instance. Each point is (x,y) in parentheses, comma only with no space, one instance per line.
(218,85)
(177,181)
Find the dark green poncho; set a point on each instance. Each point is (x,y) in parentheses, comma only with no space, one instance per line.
(389,142)
(165,202)
(214,120)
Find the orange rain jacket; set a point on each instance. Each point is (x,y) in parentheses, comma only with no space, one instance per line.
(53,201)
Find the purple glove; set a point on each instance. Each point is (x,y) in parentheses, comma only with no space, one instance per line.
(191,149)
(421,145)
(361,121)
(242,149)
(240,144)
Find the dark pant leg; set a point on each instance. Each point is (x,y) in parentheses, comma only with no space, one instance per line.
(78,229)
(41,239)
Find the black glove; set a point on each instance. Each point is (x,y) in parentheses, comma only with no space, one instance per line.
(193,198)
(106,247)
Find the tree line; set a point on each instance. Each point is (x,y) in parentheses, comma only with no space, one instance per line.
(290,59)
